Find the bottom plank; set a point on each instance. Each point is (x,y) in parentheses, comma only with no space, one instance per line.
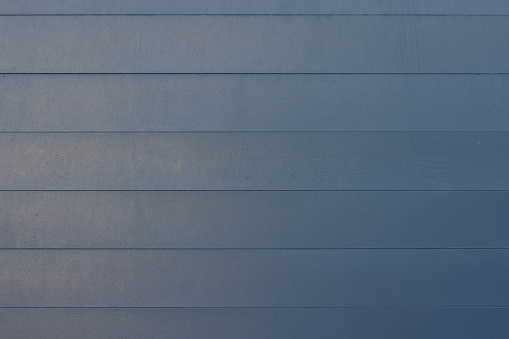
(254,278)
(255,323)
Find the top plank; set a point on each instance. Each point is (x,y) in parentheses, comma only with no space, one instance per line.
(254,44)
(454,7)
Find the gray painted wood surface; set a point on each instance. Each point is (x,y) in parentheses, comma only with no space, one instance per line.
(254,161)
(497,7)
(451,279)
(254,278)
(253,44)
(359,323)
(254,102)
(242,219)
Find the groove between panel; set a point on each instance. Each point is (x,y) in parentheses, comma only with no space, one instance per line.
(27,190)
(259,14)
(238,132)
(260,307)
(256,249)
(254,73)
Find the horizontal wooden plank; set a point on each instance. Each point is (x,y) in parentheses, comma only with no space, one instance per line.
(290,219)
(255,323)
(253,44)
(254,102)
(254,278)
(254,161)
(255,7)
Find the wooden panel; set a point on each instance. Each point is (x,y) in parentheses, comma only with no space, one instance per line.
(255,7)
(253,219)
(254,278)
(254,102)
(255,323)
(254,161)
(252,44)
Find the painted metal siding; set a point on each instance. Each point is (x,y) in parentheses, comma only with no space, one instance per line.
(254,169)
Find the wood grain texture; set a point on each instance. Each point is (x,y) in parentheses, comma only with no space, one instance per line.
(254,102)
(240,219)
(254,161)
(256,323)
(254,278)
(254,44)
(237,232)
(255,7)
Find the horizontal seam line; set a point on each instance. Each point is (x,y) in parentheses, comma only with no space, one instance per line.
(257,14)
(250,132)
(259,249)
(252,73)
(253,307)
(243,190)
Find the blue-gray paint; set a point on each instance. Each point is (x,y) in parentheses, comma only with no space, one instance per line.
(496,7)
(255,161)
(397,283)
(361,323)
(205,219)
(254,102)
(254,278)
(254,44)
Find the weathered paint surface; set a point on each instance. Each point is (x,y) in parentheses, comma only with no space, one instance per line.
(250,219)
(254,102)
(300,204)
(254,278)
(490,7)
(256,323)
(254,44)
(254,161)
